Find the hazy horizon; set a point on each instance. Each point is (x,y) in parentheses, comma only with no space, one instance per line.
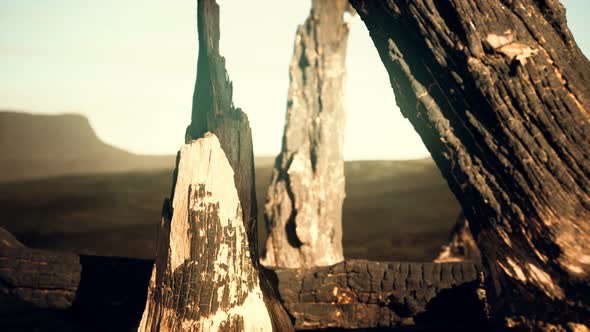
(129,67)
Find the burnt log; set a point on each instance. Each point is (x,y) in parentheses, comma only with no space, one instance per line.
(499,92)
(35,278)
(112,294)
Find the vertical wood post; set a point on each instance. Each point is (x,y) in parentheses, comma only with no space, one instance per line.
(214,113)
(304,201)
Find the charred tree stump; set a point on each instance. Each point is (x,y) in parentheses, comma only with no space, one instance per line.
(204,278)
(461,246)
(304,200)
(499,92)
(213,111)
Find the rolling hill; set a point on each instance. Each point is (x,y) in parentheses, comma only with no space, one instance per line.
(37,146)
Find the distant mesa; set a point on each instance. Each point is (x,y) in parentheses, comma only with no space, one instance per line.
(37,146)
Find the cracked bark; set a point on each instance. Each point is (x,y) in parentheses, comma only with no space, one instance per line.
(304,200)
(204,279)
(214,113)
(358,294)
(499,92)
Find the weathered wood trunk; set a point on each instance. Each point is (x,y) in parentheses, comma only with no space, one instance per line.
(34,277)
(304,201)
(204,279)
(213,111)
(499,92)
(461,246)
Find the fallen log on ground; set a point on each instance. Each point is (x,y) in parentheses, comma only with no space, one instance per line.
(358,294)
(354,294)
(34,277)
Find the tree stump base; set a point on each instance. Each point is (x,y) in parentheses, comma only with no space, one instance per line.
(204,278)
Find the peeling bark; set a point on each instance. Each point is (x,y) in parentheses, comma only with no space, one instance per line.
(461,246)
(304,201)
(499,92)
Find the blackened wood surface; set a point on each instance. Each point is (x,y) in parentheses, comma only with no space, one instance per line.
(38,278)
(110,297)
(499,92)
(363,294)
(421,296)
(303,207)
(213,111)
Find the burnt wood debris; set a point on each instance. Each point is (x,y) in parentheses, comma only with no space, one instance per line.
(303,208)
(110,294)
(499,93)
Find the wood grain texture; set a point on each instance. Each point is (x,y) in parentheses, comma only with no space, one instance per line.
(213,111)
(204,278)
(499,93)
(304,202)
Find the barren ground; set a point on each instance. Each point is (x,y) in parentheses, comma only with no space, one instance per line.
(394,210)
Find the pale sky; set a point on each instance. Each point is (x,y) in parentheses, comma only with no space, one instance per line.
(130,65)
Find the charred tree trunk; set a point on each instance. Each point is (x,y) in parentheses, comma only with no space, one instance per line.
(233,303)
(304,201)
(499,92)
(204,279)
